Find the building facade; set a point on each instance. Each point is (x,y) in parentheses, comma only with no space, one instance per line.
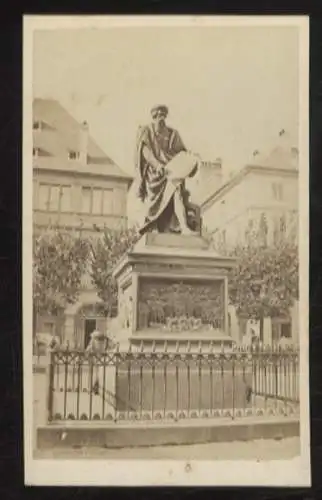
(266,190)
(75,185)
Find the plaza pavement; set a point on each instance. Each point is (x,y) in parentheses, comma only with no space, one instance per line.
(250,450)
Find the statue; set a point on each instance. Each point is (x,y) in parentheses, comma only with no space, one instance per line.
(160,154)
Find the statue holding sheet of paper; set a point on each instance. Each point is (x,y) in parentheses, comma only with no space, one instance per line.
(162,165)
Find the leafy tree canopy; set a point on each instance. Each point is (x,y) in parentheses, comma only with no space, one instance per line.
(106,252)
(60,259)
(264,281)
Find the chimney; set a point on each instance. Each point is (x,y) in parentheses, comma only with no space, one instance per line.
(83,143)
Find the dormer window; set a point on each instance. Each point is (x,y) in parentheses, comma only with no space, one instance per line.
(36,125)
(73,155)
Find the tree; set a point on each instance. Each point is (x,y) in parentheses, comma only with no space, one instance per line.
(60,259)
(105,253)
(264,282)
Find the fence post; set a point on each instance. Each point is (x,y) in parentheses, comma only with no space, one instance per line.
(233,385)
(50,396)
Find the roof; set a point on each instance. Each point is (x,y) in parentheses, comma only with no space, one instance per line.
(75,167)
(237,178)
(60,134)
(282,159)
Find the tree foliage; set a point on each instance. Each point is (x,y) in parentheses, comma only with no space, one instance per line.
(106,252)
(264,281)
(60,259)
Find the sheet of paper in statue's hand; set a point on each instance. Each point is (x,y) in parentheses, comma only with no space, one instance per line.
(181,166)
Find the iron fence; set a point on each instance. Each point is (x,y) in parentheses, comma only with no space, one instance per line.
(172,384)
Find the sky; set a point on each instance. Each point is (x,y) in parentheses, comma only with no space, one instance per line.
(230,90)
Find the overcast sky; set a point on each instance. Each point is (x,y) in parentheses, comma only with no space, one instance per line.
(229,90)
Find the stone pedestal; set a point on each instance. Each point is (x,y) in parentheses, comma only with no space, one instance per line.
(173,288)
(173,296)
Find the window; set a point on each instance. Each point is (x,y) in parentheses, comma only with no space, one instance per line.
(35,152)
(53,202)
(107,201)
(286,330)
(277,189)
(279,228)
(86,200)
(283,224)
(43,197)
(263,229)
(97,201)
(73,155)
(65,199)
(280,329)
(276,227)
(54,198)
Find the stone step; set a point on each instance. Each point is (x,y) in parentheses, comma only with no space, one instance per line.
(172,240)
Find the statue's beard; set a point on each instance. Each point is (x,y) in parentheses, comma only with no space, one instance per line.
(160,124)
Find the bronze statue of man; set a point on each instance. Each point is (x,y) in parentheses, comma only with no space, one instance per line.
(166,200)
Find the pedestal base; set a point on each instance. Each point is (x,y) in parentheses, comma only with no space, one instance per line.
(181,341)
(173,288)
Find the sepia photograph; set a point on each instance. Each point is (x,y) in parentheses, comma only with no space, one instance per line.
(165,250)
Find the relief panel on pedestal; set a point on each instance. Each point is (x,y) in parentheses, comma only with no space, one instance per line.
(171,306)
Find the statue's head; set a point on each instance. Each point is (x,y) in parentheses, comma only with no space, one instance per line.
(159,114)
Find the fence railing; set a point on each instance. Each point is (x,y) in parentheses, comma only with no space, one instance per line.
(163,384)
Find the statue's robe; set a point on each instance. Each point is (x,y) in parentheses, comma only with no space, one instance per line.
(157,188)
